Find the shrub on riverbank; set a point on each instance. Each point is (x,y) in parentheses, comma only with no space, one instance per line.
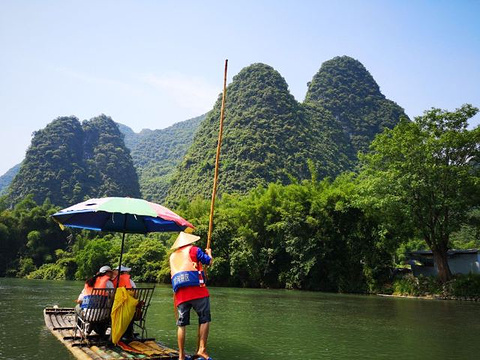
(464,286)
(461,286)
(49,271)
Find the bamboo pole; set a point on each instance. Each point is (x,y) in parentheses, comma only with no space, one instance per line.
(217,158)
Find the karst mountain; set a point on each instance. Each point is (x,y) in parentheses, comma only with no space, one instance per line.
(268,136)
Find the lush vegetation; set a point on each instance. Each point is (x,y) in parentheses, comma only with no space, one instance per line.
(309,235)
(297,208)
(463,286)
(280,236)
(68,162)
(32,245)
(425,173)
(28,237)
(156,153)
(7,178)
(344,235)
(270,137)
(345,88)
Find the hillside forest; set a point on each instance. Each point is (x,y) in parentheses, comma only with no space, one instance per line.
(329,194)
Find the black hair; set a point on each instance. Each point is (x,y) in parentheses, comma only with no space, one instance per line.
(90,282)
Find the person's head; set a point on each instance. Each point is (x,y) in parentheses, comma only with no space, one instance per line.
(104,270)
(122,269)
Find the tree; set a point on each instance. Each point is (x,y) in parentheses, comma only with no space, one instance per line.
(96,253)
(426,170)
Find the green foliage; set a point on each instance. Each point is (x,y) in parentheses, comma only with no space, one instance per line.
(460,286)
(301,236)
(269,137)
(408,246)
(7,178)
(68,162)
(464,286)
(345,88)
(97,252)
(145,256)
(28,232)
(468,236)
(259,109)
(49,271)
(423,170)
(53,164)
(417,286)
(156,153)
(280,221)
(26,267)
(108,162)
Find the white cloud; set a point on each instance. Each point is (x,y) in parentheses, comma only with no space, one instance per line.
(190,92)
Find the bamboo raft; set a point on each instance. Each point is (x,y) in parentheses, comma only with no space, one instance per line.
(61,322)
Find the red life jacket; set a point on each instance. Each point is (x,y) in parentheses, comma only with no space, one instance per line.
(124,281)
(184,271)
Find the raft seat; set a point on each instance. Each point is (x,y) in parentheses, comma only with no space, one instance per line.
(144,296)
(96,315)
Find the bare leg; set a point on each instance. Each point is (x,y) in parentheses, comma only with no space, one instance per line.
(202,339)
(181,330)
(198,338)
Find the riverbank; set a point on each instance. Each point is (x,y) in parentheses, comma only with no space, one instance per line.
(460,287)
(431,297)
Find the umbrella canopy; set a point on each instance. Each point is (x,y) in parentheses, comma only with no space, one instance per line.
(127,215)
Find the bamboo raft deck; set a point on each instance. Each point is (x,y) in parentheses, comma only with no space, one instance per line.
(61,322)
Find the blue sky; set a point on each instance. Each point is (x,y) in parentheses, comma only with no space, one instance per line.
(149,64)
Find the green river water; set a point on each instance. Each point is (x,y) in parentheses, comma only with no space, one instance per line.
(265,324)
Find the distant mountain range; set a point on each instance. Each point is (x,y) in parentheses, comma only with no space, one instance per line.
(268,137)
(68,161)
(156,153)
(7,178)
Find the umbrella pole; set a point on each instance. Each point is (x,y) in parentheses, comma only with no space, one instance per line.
(121,250)
(217,158)
(120,262)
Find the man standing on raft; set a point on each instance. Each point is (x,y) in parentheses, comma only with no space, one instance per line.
(188,281)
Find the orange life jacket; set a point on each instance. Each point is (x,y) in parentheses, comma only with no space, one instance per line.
(100,282)
(184,271)
(124,281)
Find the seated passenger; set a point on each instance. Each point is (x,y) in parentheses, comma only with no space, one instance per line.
(102,279)
(123,278)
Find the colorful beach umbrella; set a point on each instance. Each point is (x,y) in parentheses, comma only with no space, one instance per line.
(121,214)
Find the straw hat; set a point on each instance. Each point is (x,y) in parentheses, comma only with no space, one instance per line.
(184,239)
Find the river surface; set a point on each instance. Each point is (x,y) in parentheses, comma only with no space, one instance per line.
(265,324)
